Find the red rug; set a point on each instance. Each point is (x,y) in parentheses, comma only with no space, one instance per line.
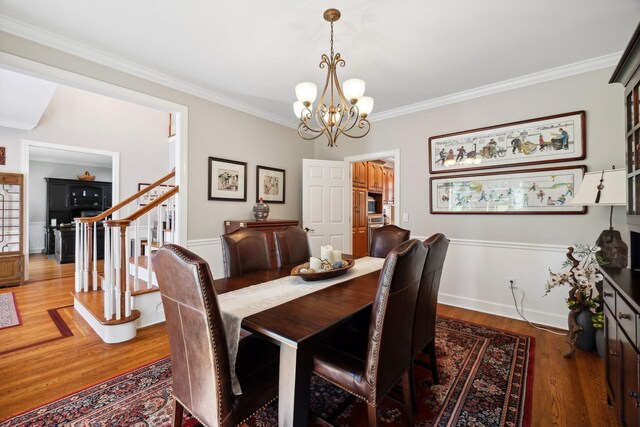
(9,315)
(485,375)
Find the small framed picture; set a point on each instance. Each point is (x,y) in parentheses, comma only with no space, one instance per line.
(541,191)
(270,184)
(227,180)
(153,194)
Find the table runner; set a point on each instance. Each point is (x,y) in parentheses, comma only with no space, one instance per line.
(237,305)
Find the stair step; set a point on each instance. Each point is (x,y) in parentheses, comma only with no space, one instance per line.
(93,302)
(142,285)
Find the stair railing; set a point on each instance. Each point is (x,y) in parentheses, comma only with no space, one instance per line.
(118,282)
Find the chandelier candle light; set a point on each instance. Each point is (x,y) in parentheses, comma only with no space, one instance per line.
(344,109)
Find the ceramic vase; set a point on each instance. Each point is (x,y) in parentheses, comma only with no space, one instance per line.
(261,210)
(586,340)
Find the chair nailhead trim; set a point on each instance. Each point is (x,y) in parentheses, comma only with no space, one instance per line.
(348,391)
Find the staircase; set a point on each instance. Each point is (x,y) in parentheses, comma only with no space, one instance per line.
(125,296)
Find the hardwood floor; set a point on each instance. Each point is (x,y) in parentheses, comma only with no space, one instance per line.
(38,364)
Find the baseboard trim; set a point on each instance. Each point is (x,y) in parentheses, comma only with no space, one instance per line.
(533,316)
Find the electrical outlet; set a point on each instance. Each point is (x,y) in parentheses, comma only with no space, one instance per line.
(511,284)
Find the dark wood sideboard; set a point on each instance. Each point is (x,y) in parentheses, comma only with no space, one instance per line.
(267,226)
(621,295)
(621,287)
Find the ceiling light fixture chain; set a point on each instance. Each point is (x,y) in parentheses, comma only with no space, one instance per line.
(346,107)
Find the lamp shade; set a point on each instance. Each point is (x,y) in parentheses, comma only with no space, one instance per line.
(612,193)
(306,92)
(298,107)
(365,105)
(353,89)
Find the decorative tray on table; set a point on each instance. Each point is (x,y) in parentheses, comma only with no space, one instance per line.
(321,275)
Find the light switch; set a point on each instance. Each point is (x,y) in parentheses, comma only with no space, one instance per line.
(405,217)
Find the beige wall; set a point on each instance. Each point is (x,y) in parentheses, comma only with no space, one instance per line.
(213,130)
(590,91)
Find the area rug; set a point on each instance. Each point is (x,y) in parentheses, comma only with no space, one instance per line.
(485,379)
(9,315)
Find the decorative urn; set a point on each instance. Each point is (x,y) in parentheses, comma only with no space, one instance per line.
(261,210)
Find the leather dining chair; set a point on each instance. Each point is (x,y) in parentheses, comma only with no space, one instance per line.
(243,251)
(199,358)
(368,365)
(424,327)
(385,238)
(292,246)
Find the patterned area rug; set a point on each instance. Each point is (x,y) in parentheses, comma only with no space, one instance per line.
(9,315)
(484,377)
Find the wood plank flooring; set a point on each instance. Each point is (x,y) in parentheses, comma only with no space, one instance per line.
(566,392)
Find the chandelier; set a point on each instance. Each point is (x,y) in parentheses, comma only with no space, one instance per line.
(343,112)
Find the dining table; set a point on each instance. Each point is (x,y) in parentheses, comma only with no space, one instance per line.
(297,325)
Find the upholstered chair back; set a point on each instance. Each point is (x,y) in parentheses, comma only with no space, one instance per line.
(385,238)
(243,251)
(292,246)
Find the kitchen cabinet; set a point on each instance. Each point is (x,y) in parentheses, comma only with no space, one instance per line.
(388,181)
(359,222)
(374,177)
(359,174)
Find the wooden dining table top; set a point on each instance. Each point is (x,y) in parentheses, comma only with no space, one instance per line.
(304,318)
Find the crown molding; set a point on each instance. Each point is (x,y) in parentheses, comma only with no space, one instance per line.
(54,41)
(66,45)
(503,86)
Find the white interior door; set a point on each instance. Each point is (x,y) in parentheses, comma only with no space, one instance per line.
(326,199)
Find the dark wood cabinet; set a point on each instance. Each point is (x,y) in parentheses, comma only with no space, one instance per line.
(68,199)
(621,295)
(268,227)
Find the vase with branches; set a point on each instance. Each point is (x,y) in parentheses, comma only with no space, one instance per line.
(583,278)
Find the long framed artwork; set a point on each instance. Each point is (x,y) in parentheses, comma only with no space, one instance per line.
(270,184)
(153,194)
(227,180)
(550,139)
(541,191)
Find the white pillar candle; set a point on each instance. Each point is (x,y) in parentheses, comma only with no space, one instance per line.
(336,255)
(325,252)
(315,263)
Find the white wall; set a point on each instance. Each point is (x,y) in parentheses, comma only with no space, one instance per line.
(486,250)
(38,171)
(11,140)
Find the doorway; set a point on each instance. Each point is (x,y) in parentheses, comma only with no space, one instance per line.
(375,191)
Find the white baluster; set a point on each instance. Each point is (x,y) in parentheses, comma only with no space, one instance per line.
(127,293)
(106,284)
(136,256)
(160,226)
(172,219)
(78,276)
(148,254)
(95,256)
(85,255)
(118,280)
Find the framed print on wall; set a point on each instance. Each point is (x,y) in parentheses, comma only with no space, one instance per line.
(153,194)
(227,180)
(270,184)
(541,191)
(550,139)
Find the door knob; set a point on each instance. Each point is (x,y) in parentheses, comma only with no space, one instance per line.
(623,316)
(307,229)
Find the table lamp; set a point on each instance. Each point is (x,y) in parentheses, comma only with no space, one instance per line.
(606,188)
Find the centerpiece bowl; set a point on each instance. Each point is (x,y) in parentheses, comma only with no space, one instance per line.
(321,275)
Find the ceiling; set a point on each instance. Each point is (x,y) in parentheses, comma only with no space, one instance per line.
(24,99)
(59,155)
(250,54)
